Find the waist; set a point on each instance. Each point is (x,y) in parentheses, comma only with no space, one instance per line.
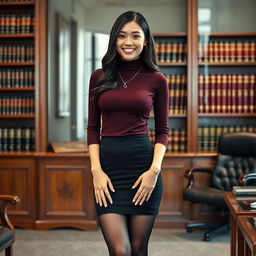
(126,136)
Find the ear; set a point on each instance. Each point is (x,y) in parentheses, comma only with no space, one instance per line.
(145,43)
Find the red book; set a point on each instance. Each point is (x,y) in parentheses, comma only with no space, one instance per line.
(252,93)
(171,93)
(226,51)
(246,51)
(216,53)
(224,93)
(246,93)
(210,52)
(201,108)
(206,94)
(239,80)
(183,105)
(178,94)
(221,51)
(232,51)
(239,51)
(252,51)
(218,94)
(233,94)
(212,93)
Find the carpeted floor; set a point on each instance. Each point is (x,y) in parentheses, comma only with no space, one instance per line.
(70,242)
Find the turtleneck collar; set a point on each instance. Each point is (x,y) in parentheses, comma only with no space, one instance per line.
(129,66)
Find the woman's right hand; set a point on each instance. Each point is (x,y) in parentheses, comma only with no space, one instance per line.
(101,182)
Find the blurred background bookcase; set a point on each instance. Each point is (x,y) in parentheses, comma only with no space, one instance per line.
(211,71)
(22,77)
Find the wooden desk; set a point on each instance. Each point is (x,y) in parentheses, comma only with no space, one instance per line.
(238,206)
(246,235)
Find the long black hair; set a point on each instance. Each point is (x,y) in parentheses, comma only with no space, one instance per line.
(108,80)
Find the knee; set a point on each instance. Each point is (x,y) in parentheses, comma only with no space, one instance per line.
(138,249)
(121,250)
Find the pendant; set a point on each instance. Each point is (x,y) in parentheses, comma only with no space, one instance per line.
(124,85)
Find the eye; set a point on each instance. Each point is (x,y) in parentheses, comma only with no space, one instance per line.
(136,36)
(121,36)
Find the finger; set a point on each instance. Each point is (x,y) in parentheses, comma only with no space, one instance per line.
(99,197)
(149,194)
(108,196)
(136,183)
(137,195)
(96,197)
(111,185)
(143,198)
(103,198)
(140,197)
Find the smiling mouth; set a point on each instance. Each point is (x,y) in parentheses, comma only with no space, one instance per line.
(128,50)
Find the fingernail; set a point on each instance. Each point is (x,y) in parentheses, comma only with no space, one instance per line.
(136,203)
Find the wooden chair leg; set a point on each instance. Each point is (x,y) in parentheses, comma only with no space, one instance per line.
(9,251)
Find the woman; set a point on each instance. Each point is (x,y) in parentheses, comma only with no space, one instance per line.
(124,163)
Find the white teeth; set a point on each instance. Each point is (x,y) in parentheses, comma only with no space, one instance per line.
(129,50)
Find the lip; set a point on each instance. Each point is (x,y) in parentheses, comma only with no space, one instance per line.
(128,50)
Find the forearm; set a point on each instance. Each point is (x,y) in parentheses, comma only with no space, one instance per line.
(94,152)
(159,151)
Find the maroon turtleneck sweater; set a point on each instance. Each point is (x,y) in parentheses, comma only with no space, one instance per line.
(125,111)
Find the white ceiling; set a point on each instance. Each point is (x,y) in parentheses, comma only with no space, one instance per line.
(120,3)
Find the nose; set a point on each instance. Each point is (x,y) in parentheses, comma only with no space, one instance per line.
(128,41)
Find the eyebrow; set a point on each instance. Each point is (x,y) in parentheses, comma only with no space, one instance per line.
(133,32)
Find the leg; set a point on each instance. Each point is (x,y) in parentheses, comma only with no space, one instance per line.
(114,229)
(140,228)
(9,251)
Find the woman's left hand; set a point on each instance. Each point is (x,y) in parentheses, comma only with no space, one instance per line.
(147,183)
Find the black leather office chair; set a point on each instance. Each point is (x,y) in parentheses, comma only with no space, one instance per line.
(236,157)
(7,234)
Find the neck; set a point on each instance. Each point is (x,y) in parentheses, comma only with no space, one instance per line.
(129,66)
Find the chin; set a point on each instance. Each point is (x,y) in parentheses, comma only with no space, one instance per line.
(130,58)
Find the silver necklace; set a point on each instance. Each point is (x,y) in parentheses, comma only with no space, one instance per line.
(125,83)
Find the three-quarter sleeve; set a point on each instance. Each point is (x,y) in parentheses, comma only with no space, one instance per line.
(94,114)
(161,109)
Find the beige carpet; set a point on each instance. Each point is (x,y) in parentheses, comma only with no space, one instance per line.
(70,242)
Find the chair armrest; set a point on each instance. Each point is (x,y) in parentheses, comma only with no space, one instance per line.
(189,174)
(5,200)
(249,176)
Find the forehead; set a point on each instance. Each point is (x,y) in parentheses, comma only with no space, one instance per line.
(131,26)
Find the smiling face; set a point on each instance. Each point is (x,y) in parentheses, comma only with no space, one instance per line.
(130,41)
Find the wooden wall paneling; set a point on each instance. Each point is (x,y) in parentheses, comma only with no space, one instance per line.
(18,177)
(172,209)
(66,198)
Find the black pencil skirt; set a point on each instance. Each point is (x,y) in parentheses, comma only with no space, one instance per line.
(124,159)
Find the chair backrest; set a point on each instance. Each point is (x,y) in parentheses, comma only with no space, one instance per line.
(236,156)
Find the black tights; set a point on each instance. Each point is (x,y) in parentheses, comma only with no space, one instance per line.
(126,235)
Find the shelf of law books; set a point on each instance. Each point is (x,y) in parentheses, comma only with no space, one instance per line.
(226,86)
(17,82)
(171,50)
(226,70)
